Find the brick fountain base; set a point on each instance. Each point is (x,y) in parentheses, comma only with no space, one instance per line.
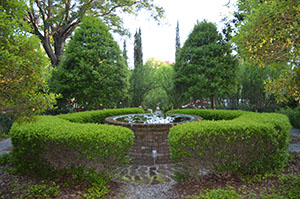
(149,137)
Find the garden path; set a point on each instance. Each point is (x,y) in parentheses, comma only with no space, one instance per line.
(149,182)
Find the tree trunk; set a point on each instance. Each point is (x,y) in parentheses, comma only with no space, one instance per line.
(49,51)
(212,102)
(59,43)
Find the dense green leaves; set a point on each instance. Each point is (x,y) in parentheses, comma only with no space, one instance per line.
(54,21)
(250,143)
(252,81)
(205,67)
(93,70)
(97,116)
(141,82)
(61,143)
(23,65)
(269,34)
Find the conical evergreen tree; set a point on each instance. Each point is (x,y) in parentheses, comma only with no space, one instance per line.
(205,67)
(177,45)
(141,79)
(125,53)
(93,70)
(138,51)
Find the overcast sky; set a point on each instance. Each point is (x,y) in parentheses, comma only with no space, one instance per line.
(158,41)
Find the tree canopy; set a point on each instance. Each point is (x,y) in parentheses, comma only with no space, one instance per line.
(269,34)
(141,82)
(93,70)
(205,67)
(23,65)
(54,21)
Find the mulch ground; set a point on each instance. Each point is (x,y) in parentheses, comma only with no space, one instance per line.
(242,186)
(16,186)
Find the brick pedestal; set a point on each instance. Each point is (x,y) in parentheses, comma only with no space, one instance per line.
(148,137)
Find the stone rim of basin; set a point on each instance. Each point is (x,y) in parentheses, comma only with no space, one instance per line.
(157,119)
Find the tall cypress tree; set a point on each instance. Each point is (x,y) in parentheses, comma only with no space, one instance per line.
(138,51)
(125,53)
(177,45)
(141,79)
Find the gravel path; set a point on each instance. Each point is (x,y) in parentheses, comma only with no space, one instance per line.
(295,147)
(5,146)
(142,191)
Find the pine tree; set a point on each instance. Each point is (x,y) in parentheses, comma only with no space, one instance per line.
(138,51)
(177,45)
(125,53)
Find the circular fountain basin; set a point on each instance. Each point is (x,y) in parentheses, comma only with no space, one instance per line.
(151,135)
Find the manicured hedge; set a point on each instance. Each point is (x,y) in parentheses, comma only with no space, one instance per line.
(97,116)
(207,114)
(53,142)
(248,143)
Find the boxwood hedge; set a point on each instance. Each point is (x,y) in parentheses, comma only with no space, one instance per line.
(231,142)
(71,140)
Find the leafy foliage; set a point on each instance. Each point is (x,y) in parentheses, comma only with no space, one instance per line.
(290,186)
(293,115)
(252,86)
(23,66)
(250,143)
(141,82)
(217,194)
(43,191)
(52,143)
(98,187)
(269,34)
(93,70)
(163,93)
(97,116)
(54,21)
(6,122)
(205,67)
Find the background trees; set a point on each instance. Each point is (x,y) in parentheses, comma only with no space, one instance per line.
(53,21)
(177,41)
(141,82)
(252,90)
(141,79)
(205,67)
(93,70)
(23,66)
(269,34)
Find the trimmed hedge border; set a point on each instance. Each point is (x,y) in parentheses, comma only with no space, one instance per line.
(76,140)
(234,142)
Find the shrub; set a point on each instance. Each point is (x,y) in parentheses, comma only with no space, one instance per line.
(97,116)
(207,114)
(6,121)
(217,194)
(293,115)
(250,143)
(290,186)
(52,142)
